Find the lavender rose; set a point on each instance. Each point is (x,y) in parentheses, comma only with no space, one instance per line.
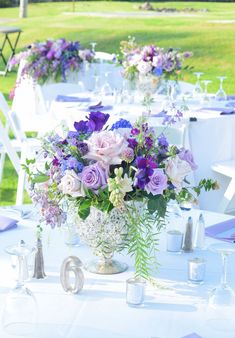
(157,183)
(106,147)
(94,177)
(187,156)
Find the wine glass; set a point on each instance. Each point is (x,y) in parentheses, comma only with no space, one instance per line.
(20,309)
(221,95)
(106,88)
(93,44)
(205,96)
(221,304)
(197,91)
(96,90)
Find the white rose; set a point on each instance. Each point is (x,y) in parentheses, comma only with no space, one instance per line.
(176,169)
(71,184)
(144,67)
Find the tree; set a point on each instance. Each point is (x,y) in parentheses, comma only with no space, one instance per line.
(23,8)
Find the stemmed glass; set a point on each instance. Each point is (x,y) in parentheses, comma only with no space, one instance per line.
(197,92)
(93,44)
(205,97)
(221,304)
(106,88)
(221,95)
(20,309)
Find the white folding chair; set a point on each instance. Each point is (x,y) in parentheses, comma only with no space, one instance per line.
(226,168)
(175,134)
(20,143)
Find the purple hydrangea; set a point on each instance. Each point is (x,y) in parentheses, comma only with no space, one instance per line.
(71,163)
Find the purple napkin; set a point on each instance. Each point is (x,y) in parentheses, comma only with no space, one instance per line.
(228,112)
(231,104)
(161,114)
(66,98)
(231,97)
(215,230)
(7,223)
(100,108)
(192,335)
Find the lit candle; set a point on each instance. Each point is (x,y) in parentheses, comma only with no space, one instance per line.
(174,240)
(135,291)
(196,270)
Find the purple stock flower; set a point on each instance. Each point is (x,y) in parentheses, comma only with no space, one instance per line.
(94,177)
(157,182)
(83,148)
(81,127)
(186,155)
(146,168)
(97,120)
(162,141)
(132,143)
(148,142)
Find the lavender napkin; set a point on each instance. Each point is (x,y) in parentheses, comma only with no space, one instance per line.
(217,230)
(66,98)
(7,223)
(161,114)
(192,335)
(101,108)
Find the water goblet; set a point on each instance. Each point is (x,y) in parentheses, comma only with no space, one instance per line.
(205,96)
(20,309)
(93,44)
(221,95)
(221,304)
(106,88)
(197,91)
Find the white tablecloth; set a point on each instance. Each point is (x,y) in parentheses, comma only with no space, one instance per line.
(100,310)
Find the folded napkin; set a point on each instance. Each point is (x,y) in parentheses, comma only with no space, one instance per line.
(161,114)
(192,335)
(228,111)
(219,230)
(7,223)
(231,104)
(66,98)
(231,97)
(99,106)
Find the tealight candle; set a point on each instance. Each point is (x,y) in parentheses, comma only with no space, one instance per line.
(135,291)
(196,270)
(174,240)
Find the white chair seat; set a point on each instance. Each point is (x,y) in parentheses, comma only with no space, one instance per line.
(226,168)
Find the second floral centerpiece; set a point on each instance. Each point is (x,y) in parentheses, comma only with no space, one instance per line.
(116,180)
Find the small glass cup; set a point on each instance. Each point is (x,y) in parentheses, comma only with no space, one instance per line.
(196,270)
(135,289)
(174,240)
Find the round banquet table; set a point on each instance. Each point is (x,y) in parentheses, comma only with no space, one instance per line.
(173,310)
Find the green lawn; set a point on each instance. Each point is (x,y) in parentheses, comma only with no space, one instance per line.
(211,41)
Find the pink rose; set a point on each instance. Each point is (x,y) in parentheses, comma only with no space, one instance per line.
(106,147)
(176,169)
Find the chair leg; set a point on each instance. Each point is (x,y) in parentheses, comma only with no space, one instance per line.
(2,162)
(228,196)
(20,188)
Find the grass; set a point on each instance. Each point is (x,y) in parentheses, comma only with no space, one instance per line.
(211,41)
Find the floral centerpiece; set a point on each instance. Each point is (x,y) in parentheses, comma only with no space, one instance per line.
(52,59)
(151,60)
(117,180)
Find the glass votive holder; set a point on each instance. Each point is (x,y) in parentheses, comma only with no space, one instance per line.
(196,270)
(135,289)
(174,240)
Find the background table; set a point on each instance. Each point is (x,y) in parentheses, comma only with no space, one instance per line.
(100,310)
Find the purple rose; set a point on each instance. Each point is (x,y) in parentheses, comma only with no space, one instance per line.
(97,120)
(187,156)
(94,177)
(157,183)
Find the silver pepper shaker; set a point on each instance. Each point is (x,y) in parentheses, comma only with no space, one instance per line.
(188,237)
(199,236)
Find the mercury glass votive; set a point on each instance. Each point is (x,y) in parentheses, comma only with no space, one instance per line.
(196,270)
(135,289)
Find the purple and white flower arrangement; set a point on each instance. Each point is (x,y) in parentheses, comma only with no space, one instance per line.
(113,167)
(151,59)
(52,59)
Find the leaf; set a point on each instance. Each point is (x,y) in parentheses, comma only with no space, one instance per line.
(40,178)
